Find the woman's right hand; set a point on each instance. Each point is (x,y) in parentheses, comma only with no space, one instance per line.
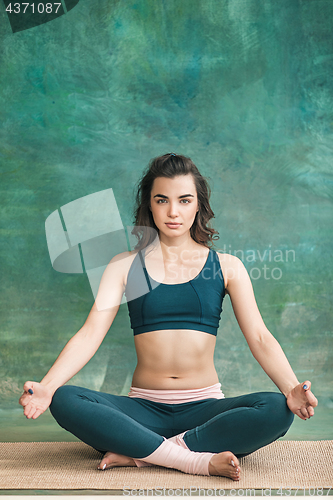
(35,404)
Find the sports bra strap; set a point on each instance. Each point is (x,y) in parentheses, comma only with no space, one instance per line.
(145,271)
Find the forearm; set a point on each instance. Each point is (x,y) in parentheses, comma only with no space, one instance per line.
(269,354)
(74,356)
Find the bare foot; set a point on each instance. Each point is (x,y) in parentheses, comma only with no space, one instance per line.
(114,460)
(224,464)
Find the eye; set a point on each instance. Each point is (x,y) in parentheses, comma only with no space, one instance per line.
(161,201)
(185,201)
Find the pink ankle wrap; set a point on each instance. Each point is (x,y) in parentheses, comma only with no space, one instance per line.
(179,440)
(173,456)
(141,463)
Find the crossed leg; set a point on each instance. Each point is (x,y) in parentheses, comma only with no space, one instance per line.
(133,429)
(220,464)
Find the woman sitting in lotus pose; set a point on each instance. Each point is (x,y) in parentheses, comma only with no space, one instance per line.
(175,414)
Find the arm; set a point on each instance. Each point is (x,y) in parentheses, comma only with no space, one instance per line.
(264,347)
(83,345)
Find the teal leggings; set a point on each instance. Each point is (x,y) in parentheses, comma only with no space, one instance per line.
(135,427)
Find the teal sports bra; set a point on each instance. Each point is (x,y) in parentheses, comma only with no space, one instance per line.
(193,305)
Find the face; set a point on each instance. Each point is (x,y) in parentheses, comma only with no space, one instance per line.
(174,204)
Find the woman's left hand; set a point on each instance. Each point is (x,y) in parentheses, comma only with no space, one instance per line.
(301,401)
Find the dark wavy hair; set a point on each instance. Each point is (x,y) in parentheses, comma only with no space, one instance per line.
(171,165)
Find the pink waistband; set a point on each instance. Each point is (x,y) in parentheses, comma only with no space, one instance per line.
(177,396)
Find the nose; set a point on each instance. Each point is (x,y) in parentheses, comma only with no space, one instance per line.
(173,210)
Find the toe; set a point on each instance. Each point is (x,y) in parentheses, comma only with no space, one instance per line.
(235,473)
(102,465)
(225,464)
(106,462)
(234,460)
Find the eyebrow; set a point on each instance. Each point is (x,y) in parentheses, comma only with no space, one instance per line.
(182,196)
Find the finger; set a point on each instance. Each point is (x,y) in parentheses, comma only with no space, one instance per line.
(28,385)
(299,414)
(36,414)
(30,412)
(26,409)
(25,398)
(310,411)
(306,385)
(304,412)
(311,399)
(23,401)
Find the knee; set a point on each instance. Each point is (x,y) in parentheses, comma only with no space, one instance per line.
(62,396)
(278,408)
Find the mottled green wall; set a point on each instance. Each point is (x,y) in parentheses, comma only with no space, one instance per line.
(243,87)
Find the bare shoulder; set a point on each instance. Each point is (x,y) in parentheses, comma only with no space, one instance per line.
(124,258)
(113,281)
(231,266)
(121,264)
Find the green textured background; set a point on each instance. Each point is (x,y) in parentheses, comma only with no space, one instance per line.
(243,87)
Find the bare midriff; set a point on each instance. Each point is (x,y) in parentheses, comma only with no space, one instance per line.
(175,359)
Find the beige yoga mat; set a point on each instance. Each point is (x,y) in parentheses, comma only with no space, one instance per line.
(65,466)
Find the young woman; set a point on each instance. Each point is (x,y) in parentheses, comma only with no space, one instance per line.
(175,414)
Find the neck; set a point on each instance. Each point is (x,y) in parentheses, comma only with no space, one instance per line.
(176,246)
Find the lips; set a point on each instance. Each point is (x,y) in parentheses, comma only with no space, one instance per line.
(173,225)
